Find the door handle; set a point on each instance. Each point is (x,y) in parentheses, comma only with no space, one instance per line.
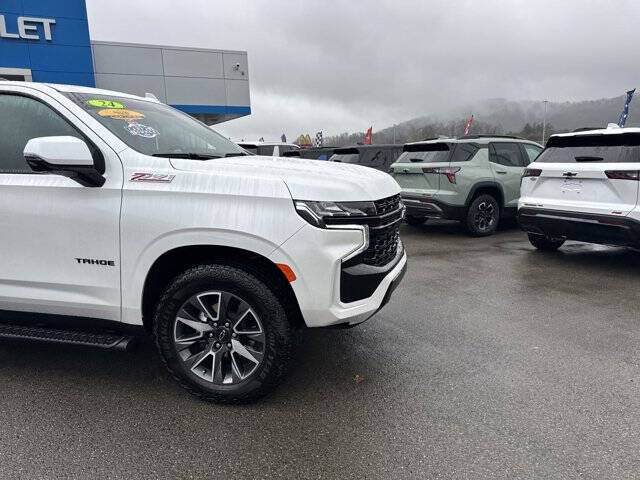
(501,172)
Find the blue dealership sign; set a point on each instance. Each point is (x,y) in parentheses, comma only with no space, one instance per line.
(49,38)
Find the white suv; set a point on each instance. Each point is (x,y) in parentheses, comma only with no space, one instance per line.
(121,215)
(583,186)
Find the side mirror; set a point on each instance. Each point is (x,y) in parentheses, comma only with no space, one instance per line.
(67,156)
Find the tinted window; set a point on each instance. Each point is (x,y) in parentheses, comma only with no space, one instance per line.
(507,154)
(286,148)
(592,148)
(589,154)
(266,150)
(464,152)
(346,158)
(425,153)
(532,151)
(249,148)
(21,119)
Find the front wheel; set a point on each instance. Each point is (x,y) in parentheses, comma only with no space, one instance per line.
(545,243)
(483,216)
(223,334)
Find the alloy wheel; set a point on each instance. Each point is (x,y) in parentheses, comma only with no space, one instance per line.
(219,337)
(485,216)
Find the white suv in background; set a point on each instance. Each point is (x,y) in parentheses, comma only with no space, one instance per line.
(122,216)
(584,186)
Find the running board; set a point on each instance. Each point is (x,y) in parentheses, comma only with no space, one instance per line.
(110,341)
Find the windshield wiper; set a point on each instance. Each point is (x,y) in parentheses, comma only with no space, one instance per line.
(588,159)
(237,154)
(189,156)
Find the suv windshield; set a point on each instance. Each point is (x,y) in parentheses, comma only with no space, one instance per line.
(425,153)
(156,129)
(611,148)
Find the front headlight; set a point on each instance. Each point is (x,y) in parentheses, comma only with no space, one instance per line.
(320,214)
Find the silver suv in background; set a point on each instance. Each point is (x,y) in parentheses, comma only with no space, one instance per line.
(474,179)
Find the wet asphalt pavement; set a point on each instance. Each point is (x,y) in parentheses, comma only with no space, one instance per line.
(492,360)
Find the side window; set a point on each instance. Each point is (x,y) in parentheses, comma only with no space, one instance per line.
(507,154)
(464,152)
(376,159)
(532,152)
(266,150)
(24,118)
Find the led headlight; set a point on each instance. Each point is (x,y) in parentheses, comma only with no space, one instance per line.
(322,213)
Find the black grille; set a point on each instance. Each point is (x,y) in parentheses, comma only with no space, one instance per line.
(386,205)
(383,239)
(383,245)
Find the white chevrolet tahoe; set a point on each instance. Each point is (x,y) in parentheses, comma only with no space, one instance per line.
(584,186)
(122,215)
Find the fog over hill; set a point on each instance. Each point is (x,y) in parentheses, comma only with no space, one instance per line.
(501,116)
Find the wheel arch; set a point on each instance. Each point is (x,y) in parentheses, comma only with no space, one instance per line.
(493,188)
(177,260)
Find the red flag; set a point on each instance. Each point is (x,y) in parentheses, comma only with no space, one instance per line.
(468,127)
(367,136)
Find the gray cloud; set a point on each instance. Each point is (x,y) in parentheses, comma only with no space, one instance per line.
(342,66)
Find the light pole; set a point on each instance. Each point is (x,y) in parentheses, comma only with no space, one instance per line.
(544,120)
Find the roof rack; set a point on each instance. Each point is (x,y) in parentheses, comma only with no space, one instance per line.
(491,136)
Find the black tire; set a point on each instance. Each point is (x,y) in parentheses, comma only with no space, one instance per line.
(545,243)
(279,332)
(415,221)
(483,216)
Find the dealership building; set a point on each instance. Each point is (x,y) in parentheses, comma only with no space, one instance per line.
(49,41)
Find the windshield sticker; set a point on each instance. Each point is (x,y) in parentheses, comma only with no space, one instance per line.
(121,114)
(140,130)
(104,103)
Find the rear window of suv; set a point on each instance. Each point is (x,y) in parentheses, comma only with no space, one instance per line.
(425,153)
(609,148)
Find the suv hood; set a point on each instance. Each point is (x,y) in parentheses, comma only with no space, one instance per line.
(305,179)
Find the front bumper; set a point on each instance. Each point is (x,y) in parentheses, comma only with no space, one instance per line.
(582,227)
(430,207)
(317,258)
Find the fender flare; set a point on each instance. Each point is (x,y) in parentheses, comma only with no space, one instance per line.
(485,184)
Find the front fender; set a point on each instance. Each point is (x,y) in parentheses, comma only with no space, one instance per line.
(134,274)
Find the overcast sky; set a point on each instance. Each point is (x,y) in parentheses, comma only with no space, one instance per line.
(345,65)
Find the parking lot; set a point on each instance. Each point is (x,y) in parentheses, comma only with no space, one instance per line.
(492,360)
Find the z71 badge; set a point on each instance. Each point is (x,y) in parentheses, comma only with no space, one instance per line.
(151,177)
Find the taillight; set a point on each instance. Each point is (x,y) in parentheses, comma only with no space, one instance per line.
(623,174)
(531,172)
(450,172)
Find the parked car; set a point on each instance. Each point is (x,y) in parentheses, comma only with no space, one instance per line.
(314,153)
(584,186)
(474,179)
(122,216)
(269,149)
(380,157)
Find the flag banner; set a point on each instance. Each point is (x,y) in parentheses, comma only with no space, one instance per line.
(368,135)
(318,141)
(467,129)
(283,138)
(625,111)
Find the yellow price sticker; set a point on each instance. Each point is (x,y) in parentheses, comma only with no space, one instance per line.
(121,114)
(104,103)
